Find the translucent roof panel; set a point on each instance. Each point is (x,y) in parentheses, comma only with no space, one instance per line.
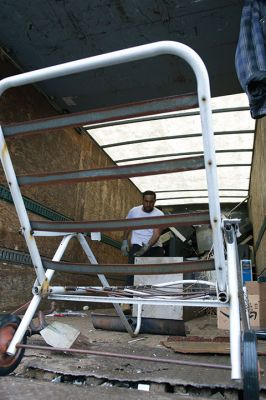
(178,134)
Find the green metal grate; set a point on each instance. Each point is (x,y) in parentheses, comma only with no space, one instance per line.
(34,206)
(16,257)
(46,212)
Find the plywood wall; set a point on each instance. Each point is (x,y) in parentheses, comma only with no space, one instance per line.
(61,150)
(257,201)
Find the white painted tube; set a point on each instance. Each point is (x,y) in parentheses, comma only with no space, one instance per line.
(136,331)
(23,326)
(203,88)
(104,282)
(235,331)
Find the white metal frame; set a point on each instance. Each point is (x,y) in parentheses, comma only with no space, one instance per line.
(227,287)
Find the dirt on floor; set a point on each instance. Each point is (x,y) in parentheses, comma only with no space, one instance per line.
(158,373)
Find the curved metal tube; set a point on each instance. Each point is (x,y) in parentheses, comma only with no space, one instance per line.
(139,313)
(129,55)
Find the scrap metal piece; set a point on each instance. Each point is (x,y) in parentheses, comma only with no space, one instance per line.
(202,345)
(157,326)
(127,356)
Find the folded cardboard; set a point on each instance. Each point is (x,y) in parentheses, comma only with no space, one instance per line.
(223,318)
(257,303)
(257,307)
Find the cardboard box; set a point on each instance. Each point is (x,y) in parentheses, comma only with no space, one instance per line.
(223,318)
(257,307)
(257,303)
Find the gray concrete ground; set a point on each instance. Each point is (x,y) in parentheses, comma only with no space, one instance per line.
(20,389)
(67,376)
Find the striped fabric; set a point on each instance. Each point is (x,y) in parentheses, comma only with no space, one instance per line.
(250,57)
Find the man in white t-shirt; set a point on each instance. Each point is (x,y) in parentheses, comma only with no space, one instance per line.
(143,242)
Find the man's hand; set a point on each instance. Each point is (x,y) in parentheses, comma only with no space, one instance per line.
(125,248)
(142,250)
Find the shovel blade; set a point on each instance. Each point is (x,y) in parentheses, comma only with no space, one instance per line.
(60,335)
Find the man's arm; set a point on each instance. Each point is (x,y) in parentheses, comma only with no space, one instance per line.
(145,247)
(125,245)
(155,236)
(125,241)
(156,232)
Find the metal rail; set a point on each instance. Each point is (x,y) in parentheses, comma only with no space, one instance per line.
(188,153)
(126,356)
(121,172)
(204,301)
(199,197)
(131,269)
(184,219)
(185,136)
(172,115)
(133,110)
(200,190)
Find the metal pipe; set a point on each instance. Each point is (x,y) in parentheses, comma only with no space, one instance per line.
(132,110)
(186,281)
(114,172)
(127,292)
(185,136)
(235,331)
(188,153)
(200,190)
(126,356)
(198,302)
(139,313)
(223,297)
(131,269)
(158,117)
(183,219)
(198,197)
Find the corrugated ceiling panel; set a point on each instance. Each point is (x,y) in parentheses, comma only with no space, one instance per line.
(229,177)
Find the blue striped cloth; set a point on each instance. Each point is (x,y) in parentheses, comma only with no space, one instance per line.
(250,59)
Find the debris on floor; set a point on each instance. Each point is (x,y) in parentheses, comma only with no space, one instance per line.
(199,345)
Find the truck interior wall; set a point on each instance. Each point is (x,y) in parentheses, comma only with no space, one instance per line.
(61,150)
(257,200)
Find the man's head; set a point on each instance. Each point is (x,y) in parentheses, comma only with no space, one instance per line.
(148,200)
